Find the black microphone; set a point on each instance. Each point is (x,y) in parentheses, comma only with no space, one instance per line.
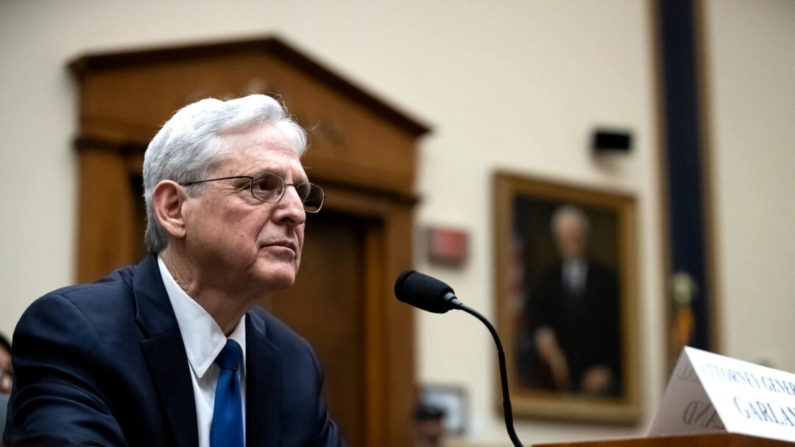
(427,293)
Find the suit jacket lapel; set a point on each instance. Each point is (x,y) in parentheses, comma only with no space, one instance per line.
(165,351)
(263,385)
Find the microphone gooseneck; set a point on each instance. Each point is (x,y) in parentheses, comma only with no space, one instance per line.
(427,293)
(506,399)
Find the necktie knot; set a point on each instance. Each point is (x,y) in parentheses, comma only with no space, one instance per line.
(230,356)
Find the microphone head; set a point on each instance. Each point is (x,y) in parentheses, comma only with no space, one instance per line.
(423,292)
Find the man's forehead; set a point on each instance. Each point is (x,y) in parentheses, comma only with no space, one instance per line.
(253,149)
(258,161)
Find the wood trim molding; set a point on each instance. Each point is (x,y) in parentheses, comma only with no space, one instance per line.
(269,45)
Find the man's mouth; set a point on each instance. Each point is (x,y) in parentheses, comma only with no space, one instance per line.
(284,243)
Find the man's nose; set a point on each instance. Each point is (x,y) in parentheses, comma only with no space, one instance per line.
(290,207)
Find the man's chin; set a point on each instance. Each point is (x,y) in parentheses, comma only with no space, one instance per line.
(275,280)
(280,284)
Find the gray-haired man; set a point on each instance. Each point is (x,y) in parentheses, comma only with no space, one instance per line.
(173,351)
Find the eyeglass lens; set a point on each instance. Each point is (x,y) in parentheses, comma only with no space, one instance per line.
(270,188)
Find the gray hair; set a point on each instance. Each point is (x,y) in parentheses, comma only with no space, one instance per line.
(188,147)
(569,210)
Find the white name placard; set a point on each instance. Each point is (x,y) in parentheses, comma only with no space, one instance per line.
(710,393)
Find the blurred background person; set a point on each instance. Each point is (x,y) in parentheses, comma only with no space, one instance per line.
(6,378)
(429,425)
(6,368)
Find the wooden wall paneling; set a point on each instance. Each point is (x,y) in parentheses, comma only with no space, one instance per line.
(400,329)
(107,238)
(375,338)
(392,391)
(327,307)
(151,93)
(350,145)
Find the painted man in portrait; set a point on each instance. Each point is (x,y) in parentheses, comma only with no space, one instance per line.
(573,322)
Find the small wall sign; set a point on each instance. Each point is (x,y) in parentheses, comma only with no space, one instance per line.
(447,246)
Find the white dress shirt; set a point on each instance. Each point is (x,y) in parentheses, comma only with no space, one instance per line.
(203,340)
(574,275)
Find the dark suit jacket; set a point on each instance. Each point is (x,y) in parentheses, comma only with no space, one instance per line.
(587,326)
(104,364)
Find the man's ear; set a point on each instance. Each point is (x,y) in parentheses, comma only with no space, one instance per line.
(167,200)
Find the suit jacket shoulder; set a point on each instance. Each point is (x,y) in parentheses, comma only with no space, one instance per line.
(104,364)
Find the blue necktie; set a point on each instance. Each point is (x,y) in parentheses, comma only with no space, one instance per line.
(227,426)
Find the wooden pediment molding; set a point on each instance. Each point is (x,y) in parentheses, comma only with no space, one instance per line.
(90,64)
(354,136)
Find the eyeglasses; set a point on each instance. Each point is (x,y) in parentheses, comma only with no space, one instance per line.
(269,187)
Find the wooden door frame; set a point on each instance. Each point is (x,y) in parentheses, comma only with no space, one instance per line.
(389,324)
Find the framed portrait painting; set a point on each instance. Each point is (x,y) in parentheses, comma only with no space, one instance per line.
(567,298)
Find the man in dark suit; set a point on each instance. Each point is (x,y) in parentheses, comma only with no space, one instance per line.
(574,316)
(173,351)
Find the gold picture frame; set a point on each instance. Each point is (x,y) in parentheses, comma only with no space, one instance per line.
(589,371)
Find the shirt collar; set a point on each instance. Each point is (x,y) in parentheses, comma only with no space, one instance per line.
(202,336)
(576,264)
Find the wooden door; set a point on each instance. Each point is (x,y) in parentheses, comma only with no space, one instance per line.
(327,307)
